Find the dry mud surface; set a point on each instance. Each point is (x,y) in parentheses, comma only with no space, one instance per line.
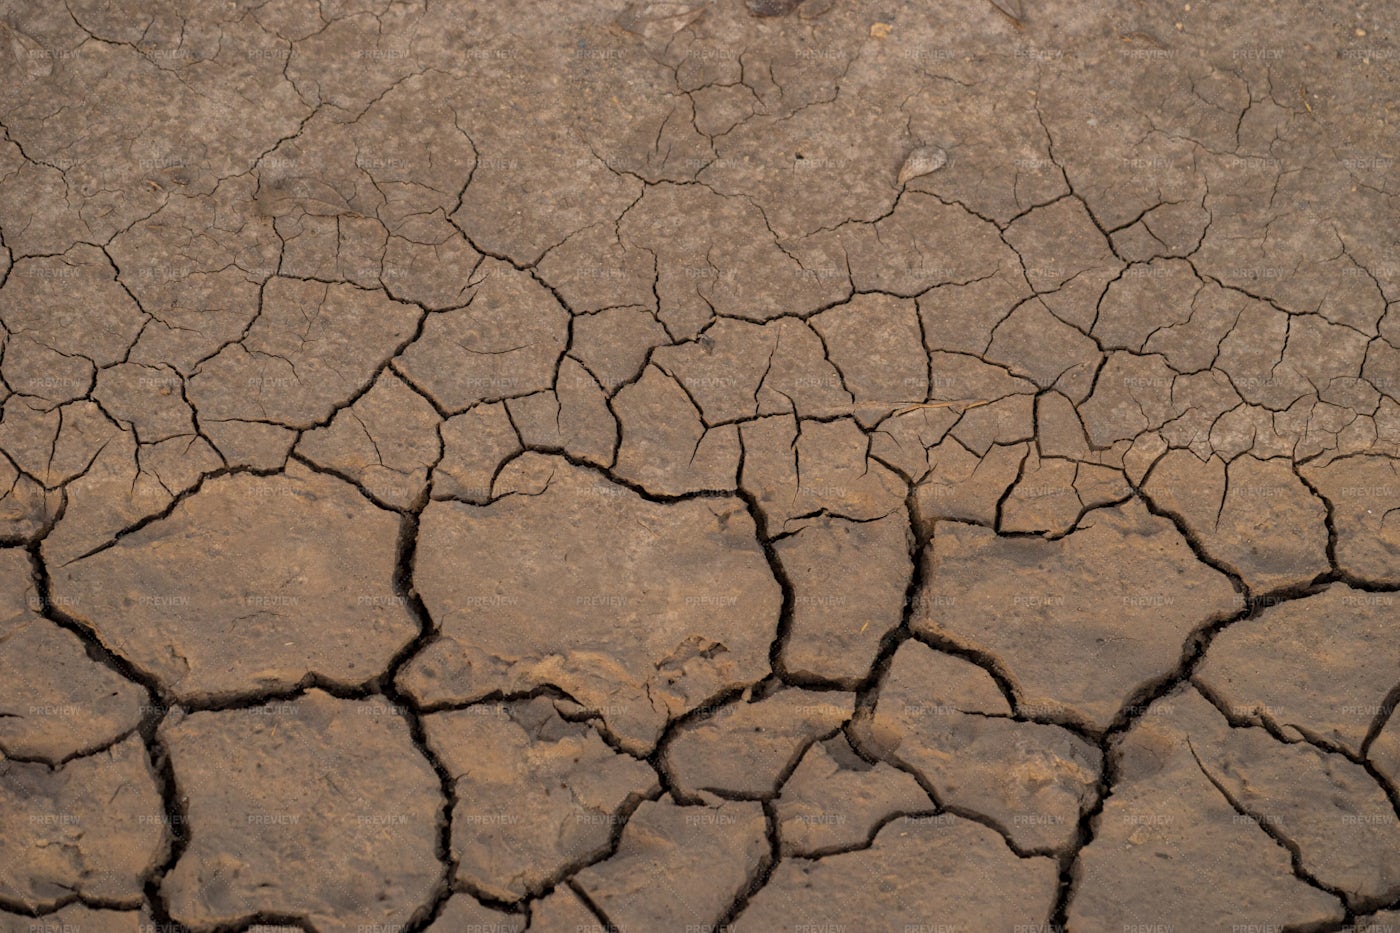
(676,467)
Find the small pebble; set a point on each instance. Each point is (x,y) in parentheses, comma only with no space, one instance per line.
(922,161)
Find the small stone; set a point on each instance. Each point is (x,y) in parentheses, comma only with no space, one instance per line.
(660,20)
(924,160)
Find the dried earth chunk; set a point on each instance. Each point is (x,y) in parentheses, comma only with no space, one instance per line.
(647,610)
(1087,629)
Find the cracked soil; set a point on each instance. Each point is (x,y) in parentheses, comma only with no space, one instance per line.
(761,466)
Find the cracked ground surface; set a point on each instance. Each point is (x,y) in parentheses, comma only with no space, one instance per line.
(817,466)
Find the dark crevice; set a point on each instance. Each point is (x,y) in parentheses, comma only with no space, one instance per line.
(767,862)
(386,683)
(1269,828)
